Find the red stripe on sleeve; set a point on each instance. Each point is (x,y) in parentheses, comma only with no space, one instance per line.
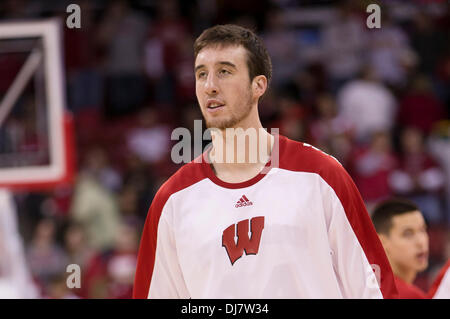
(147,249)
(302,157)
(189,174)
(363,228)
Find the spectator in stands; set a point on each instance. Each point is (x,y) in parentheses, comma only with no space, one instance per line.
(150,140)
(442,77)
(312,81)
(439,145)
(418,176)
(183,73)
(85,85)
(129,204)
(344,41)
(94,205)
(76,245)
(427,40)
(331,133)
(58,289)
(282,45)
(164,46)
(121,34)
(140,177)
(367,104)
(371,166)
(45,256)
(389,53)
(110,274)
(420,107)
(292,114)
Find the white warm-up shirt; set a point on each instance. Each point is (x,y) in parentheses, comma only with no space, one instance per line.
(299,231)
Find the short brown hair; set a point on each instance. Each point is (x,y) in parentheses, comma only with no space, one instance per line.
(384,212)
(258,60)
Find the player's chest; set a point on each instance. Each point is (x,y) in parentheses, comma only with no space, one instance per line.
(213,219)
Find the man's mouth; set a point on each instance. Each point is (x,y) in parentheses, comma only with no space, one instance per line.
(214,106)
(422,256)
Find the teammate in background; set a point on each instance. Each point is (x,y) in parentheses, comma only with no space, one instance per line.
(440,289)
(301,226)
(403,233)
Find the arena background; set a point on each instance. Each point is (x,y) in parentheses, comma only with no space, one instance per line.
(376,99)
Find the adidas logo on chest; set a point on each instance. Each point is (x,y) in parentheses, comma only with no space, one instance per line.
(243,201)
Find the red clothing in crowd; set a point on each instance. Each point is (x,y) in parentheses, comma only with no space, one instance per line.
(370,171)
(420,110)
(417,174)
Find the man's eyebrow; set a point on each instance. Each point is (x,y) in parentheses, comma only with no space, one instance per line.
(199,67)
(227,63)
(221,62)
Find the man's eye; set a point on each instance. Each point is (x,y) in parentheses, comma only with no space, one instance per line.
(201,74)
(223,71)
(408,234)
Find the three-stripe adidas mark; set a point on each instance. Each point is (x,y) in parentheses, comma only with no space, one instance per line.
(243,202)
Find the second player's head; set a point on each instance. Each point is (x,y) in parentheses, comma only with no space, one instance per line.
(232,71)
(402,231)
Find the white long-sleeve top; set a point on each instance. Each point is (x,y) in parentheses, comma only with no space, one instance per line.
(299,231)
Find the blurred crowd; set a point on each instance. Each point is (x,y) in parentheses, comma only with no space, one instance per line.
(376,99)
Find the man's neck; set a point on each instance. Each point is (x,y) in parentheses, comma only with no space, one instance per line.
(239,154)
(406,275)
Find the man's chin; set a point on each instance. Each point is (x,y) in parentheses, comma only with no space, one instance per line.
(421,266)
(220,124)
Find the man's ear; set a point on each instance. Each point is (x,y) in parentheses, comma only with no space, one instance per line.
(259,85)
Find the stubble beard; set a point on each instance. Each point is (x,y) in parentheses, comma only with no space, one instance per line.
(233,119)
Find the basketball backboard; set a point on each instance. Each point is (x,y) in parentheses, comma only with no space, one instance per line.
(36,142)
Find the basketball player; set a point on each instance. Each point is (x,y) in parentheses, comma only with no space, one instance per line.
(250,229)
(402,231)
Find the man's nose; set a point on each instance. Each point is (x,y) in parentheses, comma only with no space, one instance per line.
(211,85)
(422,241)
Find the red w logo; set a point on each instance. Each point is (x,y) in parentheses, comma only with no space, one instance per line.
(244,243)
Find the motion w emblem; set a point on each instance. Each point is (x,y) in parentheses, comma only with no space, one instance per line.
(244,243)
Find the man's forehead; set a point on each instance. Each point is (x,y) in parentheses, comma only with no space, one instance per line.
(216,54)
(408,220)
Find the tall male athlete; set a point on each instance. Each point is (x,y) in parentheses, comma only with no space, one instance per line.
(250,229)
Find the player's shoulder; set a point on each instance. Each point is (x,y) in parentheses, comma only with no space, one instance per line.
(303,157)
(187,175)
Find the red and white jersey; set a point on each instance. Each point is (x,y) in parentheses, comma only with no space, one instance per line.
(299,231)
(408,291)
(440,289)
